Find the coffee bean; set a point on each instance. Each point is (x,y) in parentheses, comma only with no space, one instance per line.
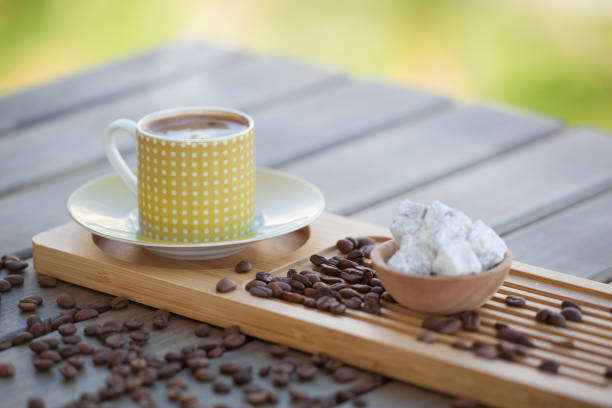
(67,350)
(234,341)
(330,270)
(42,365)
(265,277)
(549,366)
(63,318)
(21,338)
(47,281)
(101,356)
(243,267)
(572,314)
(278,350)
(222,387)
(310,303)
(317,260)
(371,306)
(77,361)
(101,306)
(352,275)
(281,379)
(74,339)
(27,306)
(38,329)
(36,402)
(556,319)
(68,371)
(346,263)
(353,303)
(51,355)
(139,336)
(337,308)
(67,329)
(297,285)
(161,318)
(85,314)
(85,348)
(14,280)
(293,297)
(226,285)
(363,241)
(345,246)
(115,340)
(168,370)
(119,303)
(254,282)
(470,319)
(306,372)
(355,255)
(195,363)
(38,346)
(542,315)
(215,352)
(450,326)
(344,374)
(133,323)
(461,345)
(515,301)
(202,330)
(5,285)
(91,330)
(349,293)
(260,291)
(484,351)
(427,337)
(204,375)
(569,303)
(514,336)
(361,288)
(243,376)
(257,397)
(430,323)
(65,301)
(367,250)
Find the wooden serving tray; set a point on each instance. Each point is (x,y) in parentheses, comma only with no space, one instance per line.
(385,344)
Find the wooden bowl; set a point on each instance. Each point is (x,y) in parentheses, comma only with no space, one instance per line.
(438,294)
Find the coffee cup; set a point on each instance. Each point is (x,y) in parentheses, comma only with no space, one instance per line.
(195,179)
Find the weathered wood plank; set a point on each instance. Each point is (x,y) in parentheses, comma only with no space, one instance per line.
(575,241)
(70,142)
(311,124)
(112,80)
(398,395)
(523,185)
(358,174)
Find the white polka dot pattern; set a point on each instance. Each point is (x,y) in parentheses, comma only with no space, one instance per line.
(196,191)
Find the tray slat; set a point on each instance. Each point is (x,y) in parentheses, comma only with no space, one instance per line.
(385,343)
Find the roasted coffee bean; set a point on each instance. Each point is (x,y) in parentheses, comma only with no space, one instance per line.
(265,277)
(310,292)
(47,281)
(67,329)
(515,301)
(363,241)
(374,282)
(281,379)
(514,336)
(133,324)
(222,387)
(115,340)
(353,303)
(50,355)
(352,275)
(91,330)
(301,278)
(371,306)
(330,270)
(5,285)
(233,341)
(471,320)
(14,280)
(101,306)
(195,363)
(346,263)
(572,314)
(202,330)
(366,278)
(549,366)
(243,376)
(37,330)
(327,280)
(65,301)
(379,290)
(367,250)
(260,291)
(38,346)
(278,350)
(161,318)
(21,338)
(172,356)
(324,302)
(484,351)
(229,367)
(542,315)
(148,376)
(243,267)
(356,256)
(215,352)
(257,397)
(556,319)
(233,329)
(85,348)
(278,288)
(317,260)
(345,246)
(137,364)
(85,314)
(568,303)
(450,326)
(349,293)
(310,303)
(297,285)
(68,350)
(68,371)
(168,370)
(226,285)
(430,323)
(386,296)
(323,291)
(372,295)
(254,282)
(101,356)
(37,300)
(77,361)
(204,375)
(15,265)
(461,345)
(73,339)
(338,286)
(337,308)
(344,374)
(34,319)
(42,365)
(63,318)
(427,337)
(119,303)
(361,288)
(306,372)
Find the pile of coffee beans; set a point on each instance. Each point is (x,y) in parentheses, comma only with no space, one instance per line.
(333,285)
(14,266)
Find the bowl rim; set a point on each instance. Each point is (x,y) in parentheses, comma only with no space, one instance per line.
(377,259)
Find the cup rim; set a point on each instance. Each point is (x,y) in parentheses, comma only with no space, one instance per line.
(196,110)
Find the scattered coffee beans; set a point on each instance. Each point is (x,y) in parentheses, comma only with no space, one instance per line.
(46,281)
(85,314)
(14,280)
(225,285)
(243,267)
(515,301)
(65,301)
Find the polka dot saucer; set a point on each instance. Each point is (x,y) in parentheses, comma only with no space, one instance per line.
(284,203)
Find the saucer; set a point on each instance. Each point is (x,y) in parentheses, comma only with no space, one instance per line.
(284,203)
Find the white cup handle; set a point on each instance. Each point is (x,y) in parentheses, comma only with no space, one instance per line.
(113,155)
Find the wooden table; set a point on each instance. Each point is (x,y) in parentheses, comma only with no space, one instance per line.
(546,188)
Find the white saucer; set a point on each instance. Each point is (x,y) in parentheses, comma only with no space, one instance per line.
(284,203)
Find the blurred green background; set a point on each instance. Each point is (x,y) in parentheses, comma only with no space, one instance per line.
(551,56)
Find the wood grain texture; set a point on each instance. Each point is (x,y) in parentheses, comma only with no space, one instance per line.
(311,124)
(77,138)
(400,395)
(575,241)
(112,80)
(177,286)
(521,186)
(383,164)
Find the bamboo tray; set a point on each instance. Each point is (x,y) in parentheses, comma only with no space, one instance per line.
(385,344)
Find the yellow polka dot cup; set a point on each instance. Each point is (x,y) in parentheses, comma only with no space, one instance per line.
(190,189)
